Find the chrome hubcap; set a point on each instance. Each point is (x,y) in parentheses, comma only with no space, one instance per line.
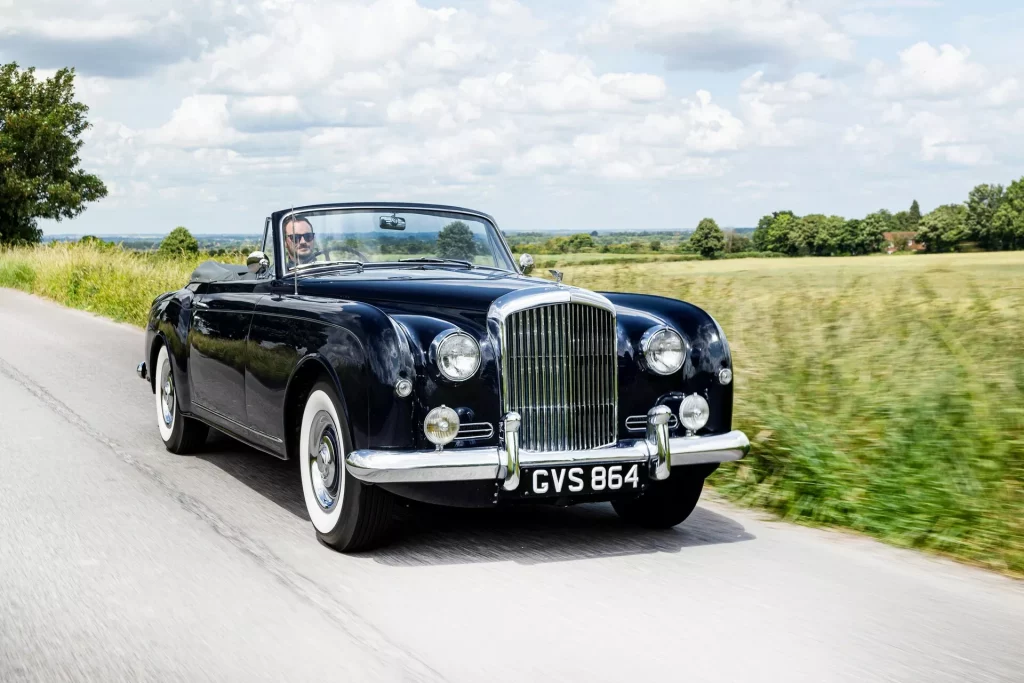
(167,397)
(324,468)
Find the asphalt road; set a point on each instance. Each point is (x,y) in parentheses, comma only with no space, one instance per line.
(120,561)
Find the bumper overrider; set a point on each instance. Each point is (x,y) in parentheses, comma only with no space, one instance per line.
(504,463)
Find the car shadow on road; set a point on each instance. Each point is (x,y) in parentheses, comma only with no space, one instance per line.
(538,534)
(526,534)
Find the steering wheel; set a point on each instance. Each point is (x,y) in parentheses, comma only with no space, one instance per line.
(352,250)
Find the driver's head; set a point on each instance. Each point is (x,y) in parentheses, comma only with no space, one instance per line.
(298,239)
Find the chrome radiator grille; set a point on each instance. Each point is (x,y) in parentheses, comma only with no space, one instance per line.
(559,373)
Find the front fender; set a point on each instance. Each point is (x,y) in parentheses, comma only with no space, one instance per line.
(169,322)
(640,389)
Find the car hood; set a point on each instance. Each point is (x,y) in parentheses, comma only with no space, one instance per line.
(449,293)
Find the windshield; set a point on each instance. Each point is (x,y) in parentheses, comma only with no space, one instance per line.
(411,237)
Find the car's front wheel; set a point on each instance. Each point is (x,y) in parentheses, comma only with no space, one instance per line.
(181,434)
(666,503)
(347,514)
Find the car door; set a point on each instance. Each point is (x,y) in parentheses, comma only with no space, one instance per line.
(222,315)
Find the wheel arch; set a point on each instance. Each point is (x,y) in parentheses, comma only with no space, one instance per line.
(306,374)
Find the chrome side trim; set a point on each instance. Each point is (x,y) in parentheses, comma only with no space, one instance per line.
(496,463)
(236,423)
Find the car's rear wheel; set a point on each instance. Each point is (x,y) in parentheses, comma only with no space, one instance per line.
(181,434)
(666,503)
(347,514)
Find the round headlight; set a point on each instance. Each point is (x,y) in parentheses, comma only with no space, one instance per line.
(663,349)
(458,356)
(694,412)
(441,425)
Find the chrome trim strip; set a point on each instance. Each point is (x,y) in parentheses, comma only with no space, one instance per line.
(543,295)
(469,431)
(236,423)
(638,423)
(492,463)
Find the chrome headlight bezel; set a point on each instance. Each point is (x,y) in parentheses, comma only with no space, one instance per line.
(439,351)
(656,366)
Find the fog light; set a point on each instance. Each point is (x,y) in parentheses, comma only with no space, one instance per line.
(725,375)
(441,425)
(694,412)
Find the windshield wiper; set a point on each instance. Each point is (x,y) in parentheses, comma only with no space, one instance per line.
(327,264)
(432,259)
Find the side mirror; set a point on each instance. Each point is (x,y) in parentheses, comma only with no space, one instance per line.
(526,264)
(257,262)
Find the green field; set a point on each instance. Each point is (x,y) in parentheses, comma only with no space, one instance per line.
(883,394)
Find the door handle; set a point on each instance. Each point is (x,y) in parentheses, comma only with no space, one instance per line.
(202,304)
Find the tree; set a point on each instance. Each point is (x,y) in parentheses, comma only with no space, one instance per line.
(456,241)
(40,136)
(870,234)
(944,228)
(655,245)
(579,242)
(915,215)
(179,241)
(708,239)
(983,203)
(1008,221)
(767,238)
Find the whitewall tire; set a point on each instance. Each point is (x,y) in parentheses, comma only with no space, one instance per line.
(347,514)
(180,433)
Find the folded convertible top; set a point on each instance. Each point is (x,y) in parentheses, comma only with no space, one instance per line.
(212,271)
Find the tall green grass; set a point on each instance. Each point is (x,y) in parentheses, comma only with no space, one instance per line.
(112,282)
(881,394)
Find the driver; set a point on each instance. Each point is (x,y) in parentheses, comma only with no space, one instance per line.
(299,240)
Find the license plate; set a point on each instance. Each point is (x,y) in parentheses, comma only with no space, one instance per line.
(584,480)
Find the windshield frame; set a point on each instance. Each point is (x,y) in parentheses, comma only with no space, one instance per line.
(426,209)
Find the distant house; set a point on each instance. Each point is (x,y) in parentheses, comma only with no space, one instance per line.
(902,241)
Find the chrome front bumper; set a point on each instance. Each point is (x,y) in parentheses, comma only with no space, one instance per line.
(504,463)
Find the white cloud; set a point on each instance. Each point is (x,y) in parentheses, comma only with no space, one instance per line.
(926,71)
(723,34)
(1004,92)
(873,25)
(200,121)
(773,108)
(947,139)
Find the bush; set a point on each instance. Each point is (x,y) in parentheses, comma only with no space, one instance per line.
(180,241)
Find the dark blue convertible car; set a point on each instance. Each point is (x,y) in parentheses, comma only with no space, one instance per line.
(399,351)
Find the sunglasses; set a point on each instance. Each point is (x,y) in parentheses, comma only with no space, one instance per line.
(300,237)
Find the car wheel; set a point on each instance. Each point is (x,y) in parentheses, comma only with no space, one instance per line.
(665,504)
(347,514)
(181,434)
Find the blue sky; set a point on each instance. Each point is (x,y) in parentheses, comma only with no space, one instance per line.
(593,115)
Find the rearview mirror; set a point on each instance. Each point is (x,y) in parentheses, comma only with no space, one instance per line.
(257,262)
(526,264)
(392,222)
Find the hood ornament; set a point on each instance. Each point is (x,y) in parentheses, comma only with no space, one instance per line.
(558,276)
